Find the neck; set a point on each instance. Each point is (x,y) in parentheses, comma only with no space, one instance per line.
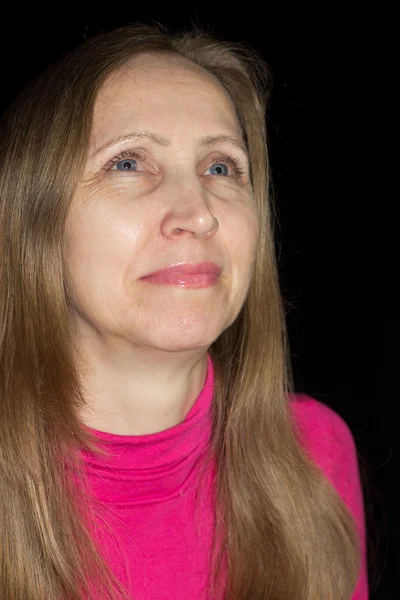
(133,390)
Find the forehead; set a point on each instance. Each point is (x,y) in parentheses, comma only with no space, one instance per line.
(168,90)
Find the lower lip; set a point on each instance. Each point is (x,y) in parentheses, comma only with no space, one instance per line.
(186,280)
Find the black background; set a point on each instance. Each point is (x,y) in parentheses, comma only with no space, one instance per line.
(331,125)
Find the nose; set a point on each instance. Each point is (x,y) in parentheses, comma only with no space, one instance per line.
(189,212)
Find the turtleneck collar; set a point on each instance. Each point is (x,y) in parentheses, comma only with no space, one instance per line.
(146,469)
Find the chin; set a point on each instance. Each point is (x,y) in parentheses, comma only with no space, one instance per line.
(179,341)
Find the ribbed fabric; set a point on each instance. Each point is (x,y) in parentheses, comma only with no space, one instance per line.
(147,491)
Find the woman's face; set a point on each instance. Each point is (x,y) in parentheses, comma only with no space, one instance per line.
(166,157)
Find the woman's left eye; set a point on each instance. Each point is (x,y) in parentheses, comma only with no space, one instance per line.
(219,169)
(226,166)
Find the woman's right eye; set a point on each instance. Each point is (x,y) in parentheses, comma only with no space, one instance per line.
(128,160)
(125,165)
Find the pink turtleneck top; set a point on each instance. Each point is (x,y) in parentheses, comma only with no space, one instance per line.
(147,493)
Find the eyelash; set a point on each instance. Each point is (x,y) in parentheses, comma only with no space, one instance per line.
(233,161)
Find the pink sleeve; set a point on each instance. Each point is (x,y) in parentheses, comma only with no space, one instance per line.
(332,446)
(349,488)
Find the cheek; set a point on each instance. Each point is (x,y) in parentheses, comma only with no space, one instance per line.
(98,253)
(243,231)
(102,229)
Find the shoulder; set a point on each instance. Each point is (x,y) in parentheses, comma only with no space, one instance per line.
(327,438)
(329,442)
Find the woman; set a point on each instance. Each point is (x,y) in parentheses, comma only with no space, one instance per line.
(151,443)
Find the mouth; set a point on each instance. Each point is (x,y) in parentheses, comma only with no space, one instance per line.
(186,275)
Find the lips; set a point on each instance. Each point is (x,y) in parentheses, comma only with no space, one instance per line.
(203,268)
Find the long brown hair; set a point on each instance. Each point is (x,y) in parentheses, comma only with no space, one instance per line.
(285,532)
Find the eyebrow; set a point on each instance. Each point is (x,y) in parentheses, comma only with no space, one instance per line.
(163,141)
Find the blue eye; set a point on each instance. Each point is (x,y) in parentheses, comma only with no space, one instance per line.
(219,169)
(127,165)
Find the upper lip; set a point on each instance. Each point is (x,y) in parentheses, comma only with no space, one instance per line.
(188,268)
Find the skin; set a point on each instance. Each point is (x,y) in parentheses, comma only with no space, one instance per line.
(142,348)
